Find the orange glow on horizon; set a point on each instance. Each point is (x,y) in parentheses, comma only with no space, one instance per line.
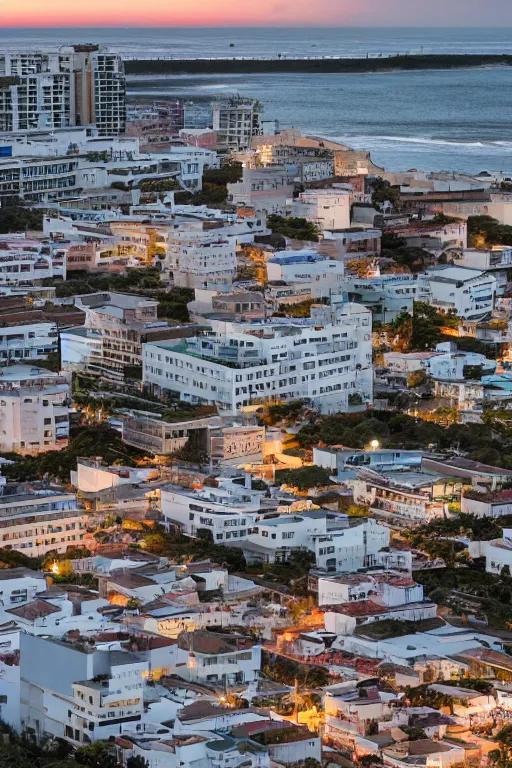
(193,13)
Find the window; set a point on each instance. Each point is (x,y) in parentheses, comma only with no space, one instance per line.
(288,534)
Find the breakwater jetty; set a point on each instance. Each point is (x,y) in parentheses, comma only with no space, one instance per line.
(316,64)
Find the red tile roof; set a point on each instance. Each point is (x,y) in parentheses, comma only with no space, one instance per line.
(359,608)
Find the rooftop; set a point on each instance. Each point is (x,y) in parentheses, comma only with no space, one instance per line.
(37,609)
(213,643)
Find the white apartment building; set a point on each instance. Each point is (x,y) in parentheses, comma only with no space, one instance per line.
(227,513)
(386,296)
(304,266)
(34,409)
(351,548)
(39,521)
(25,262)
(236,120)
(39,179)
(25,341)
(468,292)
(110,342)
(217,658)
(93,694)
(357,242)
(20,586)
(198,258)
(327,360)
(264,189)
(327,208)
(497,262)
(441,364)
(406,497)
(273,538)
(77,85)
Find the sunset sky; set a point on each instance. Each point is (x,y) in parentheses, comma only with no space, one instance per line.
(37,13)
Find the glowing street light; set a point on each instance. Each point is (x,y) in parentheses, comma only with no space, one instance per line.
(374,445)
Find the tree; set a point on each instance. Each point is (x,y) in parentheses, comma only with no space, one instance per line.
(427,323)
(293,227)
(136,761)
(304,477)
(15,216)
(382,192)
(98,755)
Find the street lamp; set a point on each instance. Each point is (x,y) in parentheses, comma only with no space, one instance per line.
(374,445)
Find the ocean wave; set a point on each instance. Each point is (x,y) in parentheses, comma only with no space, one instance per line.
(373,141)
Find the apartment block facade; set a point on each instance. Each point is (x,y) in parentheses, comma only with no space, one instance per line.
(327,361)
(79,85)
(34,409)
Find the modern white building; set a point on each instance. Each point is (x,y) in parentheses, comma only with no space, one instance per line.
(110,342)
(24,341)
(386,295)
(228,513)
(77,85)
(351,548)
(326,359)
(444,363)
(95,691)
(264,189)
(34,409)
(468,292)
(217,658)
(25,263)
(305,266)
(20,586)
(38,520)
(198,258)
(327,208)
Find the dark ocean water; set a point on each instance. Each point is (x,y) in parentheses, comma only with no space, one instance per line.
(453,120)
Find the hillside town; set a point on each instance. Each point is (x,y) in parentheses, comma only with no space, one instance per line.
(255,439)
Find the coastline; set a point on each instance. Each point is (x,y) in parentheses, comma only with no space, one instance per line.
(311,66)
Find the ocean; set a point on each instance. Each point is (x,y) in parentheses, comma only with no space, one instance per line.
(456,120)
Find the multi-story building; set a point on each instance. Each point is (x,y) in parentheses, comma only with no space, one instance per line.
(356,242)
(155,124)
(326,359)
(406,497)
(39,179)
(227,513)
(110,342)
(236,121)
(93,694)
(468,292)
(26,262)
(161,437)
(36,520)
(386,296)
(264,189)
(351,547)
(34,409)
(496,261)
(327,208)
(216,658)
(78,85)
(303,267)
(23,337)
(198,258)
